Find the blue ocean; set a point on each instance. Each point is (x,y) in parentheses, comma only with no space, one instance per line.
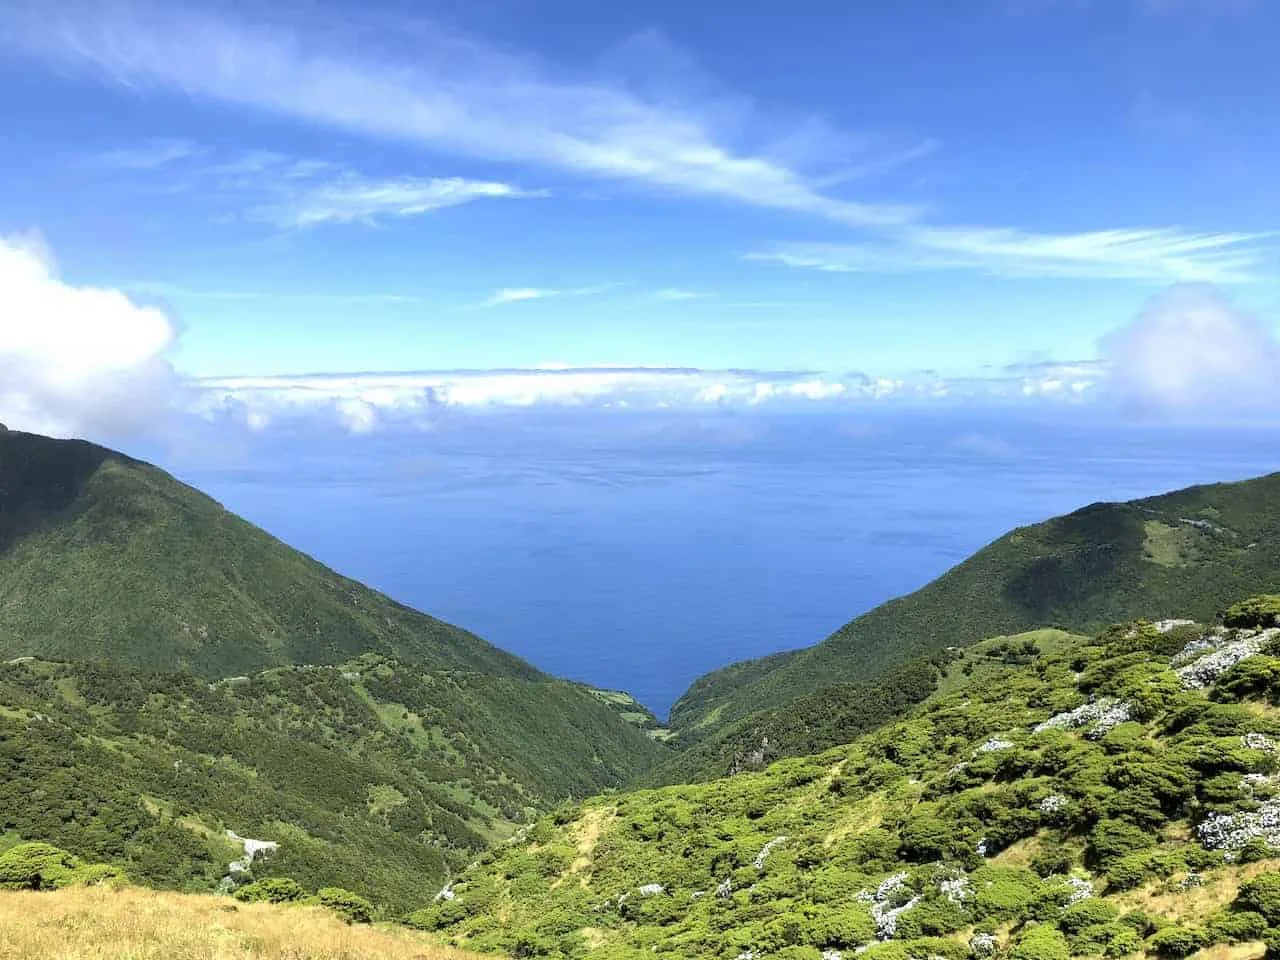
(639,551)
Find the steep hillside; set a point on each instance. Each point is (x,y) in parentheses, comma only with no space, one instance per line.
(106,558)
(1052,798)
(1189,552)
(373,776)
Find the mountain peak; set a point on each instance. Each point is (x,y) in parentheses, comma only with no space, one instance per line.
(105,557)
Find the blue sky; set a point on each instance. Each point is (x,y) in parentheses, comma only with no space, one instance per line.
(849,194)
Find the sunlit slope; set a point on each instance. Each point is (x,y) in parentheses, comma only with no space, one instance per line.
(1188,553)
(104,557)
(1115,797)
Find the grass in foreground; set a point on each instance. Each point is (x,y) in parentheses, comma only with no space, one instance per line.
(96,923)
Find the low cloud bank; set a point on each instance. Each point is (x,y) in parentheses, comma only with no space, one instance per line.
(86,361)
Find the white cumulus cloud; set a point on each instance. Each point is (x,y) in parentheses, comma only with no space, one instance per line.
(77,360)
(1193,350)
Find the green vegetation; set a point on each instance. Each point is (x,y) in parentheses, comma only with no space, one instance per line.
(42,866)
(352,907)
(174,673)
(372,775)
(1053,796)
(177,680)
(634,712)
(1188,554)
(106,558)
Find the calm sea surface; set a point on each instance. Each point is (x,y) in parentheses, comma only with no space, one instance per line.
(639,552)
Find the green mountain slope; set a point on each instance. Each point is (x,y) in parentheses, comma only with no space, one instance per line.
(1192,552)
(1055,796)
(106,558)
(169,672)
(373,776)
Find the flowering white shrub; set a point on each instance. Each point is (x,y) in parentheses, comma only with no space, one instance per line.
(994,744)
(983,944)
(1208,666)
(766,850)
(1081,889)
(1053,803)
(1230,832)
(1098,717)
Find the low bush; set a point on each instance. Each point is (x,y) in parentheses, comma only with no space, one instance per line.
(352,907)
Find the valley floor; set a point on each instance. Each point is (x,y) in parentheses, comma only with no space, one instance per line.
(97,923)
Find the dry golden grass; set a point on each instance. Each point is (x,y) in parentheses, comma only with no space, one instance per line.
(1194,905)
(588,831)
(133,924)
(1240,951)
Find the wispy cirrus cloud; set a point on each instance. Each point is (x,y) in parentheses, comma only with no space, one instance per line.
(287,191)
(149,155)
(353,198)
(508,295)
(409,81)
(412,82)
(166,290)
(677,294)
(518,295)
(1152,256)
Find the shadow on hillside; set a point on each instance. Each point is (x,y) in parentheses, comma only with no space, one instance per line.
(40,478)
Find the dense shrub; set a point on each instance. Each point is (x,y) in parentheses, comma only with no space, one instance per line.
(352,907)
(1004,892)
(1052,859)
(1112,839)
(1235,926)
(1041,942)
(1259,611)
(1262,895)
(37,866)
(271,890)
(1176,941)
(1122,942)
(1086,913)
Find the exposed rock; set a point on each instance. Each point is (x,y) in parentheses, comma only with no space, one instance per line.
(890,900)
(651,889)
(252,849)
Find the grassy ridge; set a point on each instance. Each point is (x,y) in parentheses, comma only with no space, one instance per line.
(1054,797)
(103,557)
(1190,552)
